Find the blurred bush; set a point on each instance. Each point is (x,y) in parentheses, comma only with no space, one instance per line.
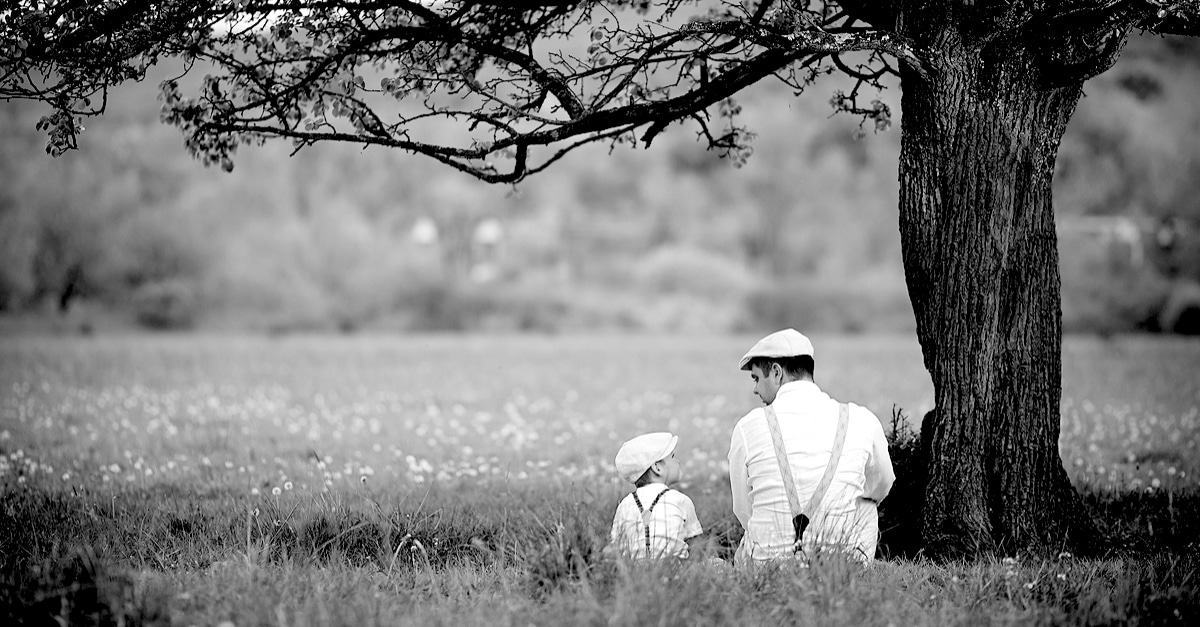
(833,304)
(1105,292)
(671,269)
(167,305)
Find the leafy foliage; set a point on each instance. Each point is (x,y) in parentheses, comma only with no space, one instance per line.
(514,74)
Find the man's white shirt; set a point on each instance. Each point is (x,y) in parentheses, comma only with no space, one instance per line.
(847,517)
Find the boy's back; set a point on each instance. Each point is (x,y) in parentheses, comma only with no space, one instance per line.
(659,528)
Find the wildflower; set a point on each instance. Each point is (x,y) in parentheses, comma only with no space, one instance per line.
(1009,561)
(1155,483)
(115,469)
(287,485)
(363,479)
(1065,555)
(66,476)
(1171,471)
(1061,576)
(1029,586)
(254,491)
(275,490)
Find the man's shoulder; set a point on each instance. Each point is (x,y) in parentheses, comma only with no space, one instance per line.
(859,410)
(758,413)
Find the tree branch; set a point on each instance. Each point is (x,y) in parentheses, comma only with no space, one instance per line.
(818,41)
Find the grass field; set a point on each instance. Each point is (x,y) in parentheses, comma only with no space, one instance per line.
(468,480)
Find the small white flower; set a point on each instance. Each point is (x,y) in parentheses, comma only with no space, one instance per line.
(1061,576)
(276,491)
(254,491)
(287,485)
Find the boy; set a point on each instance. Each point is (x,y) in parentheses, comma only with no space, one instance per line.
(655,520)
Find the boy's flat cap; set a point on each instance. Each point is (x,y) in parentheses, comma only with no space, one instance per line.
(785,343)
(641,452)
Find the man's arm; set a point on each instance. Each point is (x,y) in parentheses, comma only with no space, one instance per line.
(879,473)
(739,481)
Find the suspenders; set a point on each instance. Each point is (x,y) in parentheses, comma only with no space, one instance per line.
(645,512)
(800,518)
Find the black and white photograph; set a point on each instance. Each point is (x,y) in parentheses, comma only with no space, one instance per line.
(324,313)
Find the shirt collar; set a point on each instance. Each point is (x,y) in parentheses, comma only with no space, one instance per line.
(803,387)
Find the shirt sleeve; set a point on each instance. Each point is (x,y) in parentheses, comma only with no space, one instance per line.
(614,535)
(739,480)
(691,522)
(879,473)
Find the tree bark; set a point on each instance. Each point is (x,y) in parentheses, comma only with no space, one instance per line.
(979,141)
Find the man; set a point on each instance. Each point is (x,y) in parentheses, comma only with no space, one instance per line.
(846,518)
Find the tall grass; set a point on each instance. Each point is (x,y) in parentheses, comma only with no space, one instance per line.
(159,481)
(528,556)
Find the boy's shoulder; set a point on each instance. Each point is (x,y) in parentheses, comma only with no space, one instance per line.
(677,497)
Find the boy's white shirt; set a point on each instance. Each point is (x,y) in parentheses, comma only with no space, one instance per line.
(672,521)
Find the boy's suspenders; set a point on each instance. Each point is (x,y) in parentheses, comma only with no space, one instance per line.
(645,512)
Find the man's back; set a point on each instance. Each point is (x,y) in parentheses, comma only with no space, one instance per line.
(808,421)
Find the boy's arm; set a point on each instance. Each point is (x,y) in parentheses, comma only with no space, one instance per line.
(614,534)
(701,546)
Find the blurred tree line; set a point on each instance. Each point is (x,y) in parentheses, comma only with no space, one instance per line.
(130,230)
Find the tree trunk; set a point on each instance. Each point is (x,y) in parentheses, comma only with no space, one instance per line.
(979,141)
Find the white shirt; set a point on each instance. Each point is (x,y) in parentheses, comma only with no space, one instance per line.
(671,522)
(846,517)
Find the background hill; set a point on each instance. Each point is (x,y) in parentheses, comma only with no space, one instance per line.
(130,230)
